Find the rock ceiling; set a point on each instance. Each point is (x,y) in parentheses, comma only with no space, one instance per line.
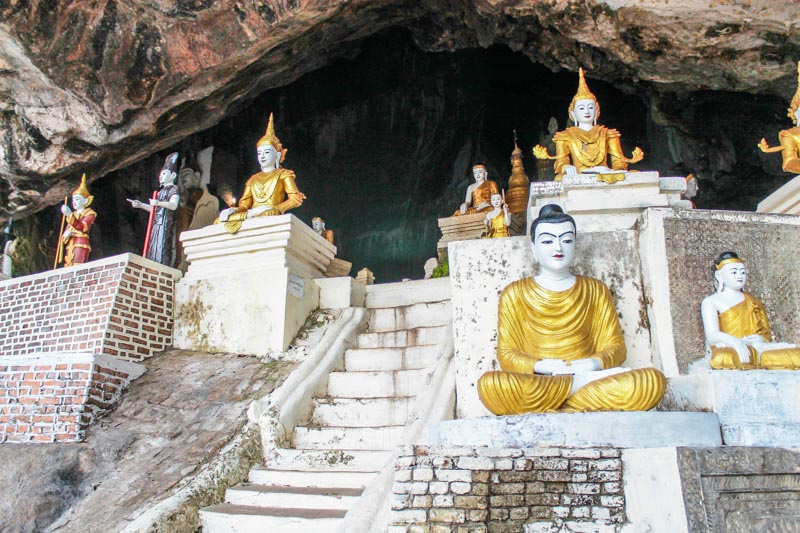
(94,86)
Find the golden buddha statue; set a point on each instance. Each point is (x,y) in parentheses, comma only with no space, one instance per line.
(559,342)
(479,194)
(587,147)
(789,139)
(738,336)
(498,219)
(269,192)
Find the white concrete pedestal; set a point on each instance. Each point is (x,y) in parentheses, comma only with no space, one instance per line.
(249,292)
(636,429)
(784,200)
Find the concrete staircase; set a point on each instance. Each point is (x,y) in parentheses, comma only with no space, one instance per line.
(352,428)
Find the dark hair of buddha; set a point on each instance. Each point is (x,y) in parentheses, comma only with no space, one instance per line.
(551,214)
(726,255)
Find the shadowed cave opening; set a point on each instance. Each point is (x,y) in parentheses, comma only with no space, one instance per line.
(383,142)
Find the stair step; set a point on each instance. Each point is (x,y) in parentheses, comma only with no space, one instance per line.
(330,460)
(405,358)
(359,412)
(407,292)
(378,384)
(402,337)
(230,518)
(334,438)
(303,478)
(281,496)
(409,316)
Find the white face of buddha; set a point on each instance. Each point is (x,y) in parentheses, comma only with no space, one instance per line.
(496,201)
(78,202)
(479,174)
(554,246)
(166,177)
(268,157)
(584,112)
(317,225)
(732,276)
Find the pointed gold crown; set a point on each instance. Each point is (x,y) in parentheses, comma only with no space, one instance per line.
(583,94)
(270,138)
(83,190)
(795,103)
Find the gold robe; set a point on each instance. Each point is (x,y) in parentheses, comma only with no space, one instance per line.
(586,149)
(497,227)
(535,323)
(790,149)
(749,317)
(482,194)
(275,189)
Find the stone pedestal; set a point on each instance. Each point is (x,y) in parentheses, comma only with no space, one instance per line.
(598,205)
(249,292)
(638,429)
(338,268)
(785,200)
(461,228)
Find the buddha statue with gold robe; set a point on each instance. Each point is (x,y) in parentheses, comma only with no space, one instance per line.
(498,219)
(588,147)
(559,341)
(479,194)
(738,336)
(789,139)
(318,225)
(267,193)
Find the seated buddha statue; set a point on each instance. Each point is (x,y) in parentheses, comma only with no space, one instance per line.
(559,341)
(735,323)
(498,219)
(479,194)
(789,139)
(269,192)
(318,225)
(588,147)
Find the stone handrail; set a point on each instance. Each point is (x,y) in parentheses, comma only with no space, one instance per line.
(435,403)
(290,404)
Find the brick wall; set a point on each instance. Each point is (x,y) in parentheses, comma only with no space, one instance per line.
(120,306)
(51,398)
(507,490)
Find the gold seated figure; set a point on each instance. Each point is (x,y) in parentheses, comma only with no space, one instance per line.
(479,194)
(559,342)
(738,335)
(789,139)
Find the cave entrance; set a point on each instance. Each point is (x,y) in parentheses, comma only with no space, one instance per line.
(383,143)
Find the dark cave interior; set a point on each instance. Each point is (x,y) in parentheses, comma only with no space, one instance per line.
(383,142)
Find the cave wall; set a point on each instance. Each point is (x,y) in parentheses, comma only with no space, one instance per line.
(383,143)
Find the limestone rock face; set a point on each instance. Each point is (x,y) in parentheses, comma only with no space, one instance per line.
(96,86)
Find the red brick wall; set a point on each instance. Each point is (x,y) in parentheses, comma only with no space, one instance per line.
(45,399)
(119,306)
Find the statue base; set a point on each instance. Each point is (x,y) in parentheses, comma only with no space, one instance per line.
(635,429)
(785,200)
(249,292)
(338,268)
(598,205)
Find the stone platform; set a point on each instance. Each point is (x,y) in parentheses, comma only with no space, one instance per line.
(647,429)
(785,200)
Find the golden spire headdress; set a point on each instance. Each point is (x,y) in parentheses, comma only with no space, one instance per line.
(795,103)
(270,138)
(83,190)
(583,94)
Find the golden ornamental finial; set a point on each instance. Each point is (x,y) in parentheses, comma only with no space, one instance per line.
(83,190)
(270,138)
(795,103)
(583,94)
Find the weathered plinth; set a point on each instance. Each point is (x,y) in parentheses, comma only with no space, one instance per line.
(461,228)
(249,292)
(641,429)
(595,204)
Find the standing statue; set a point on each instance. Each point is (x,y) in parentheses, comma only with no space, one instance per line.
(588,147)
(318,225)
(498,219)
(267,193)
(75,238)
(789,139)
(735,323)
(8,242)
(161,244)
(559,341)
(201,207)
(479,193)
